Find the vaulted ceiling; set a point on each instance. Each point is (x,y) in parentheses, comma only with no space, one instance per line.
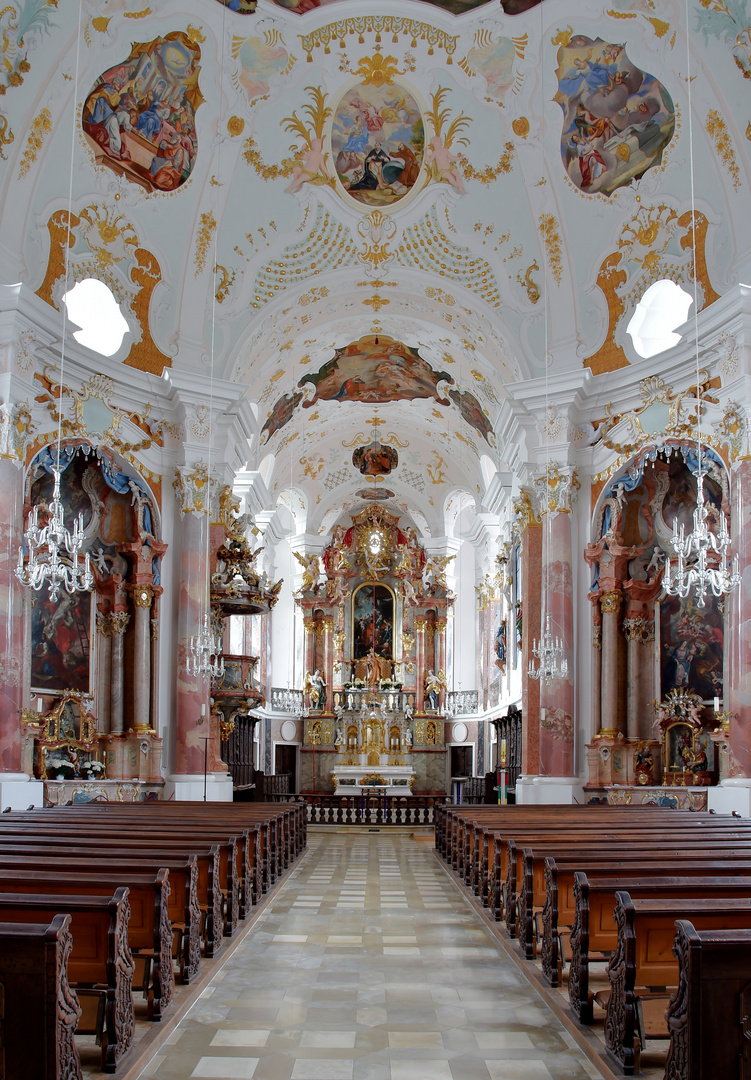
(375,225)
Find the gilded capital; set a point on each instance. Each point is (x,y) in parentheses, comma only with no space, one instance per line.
(557,488)
(143,595)
(103,625)
(119,621)
(16,431)
(421,625)
(524,512)
(610,602)
(193,488)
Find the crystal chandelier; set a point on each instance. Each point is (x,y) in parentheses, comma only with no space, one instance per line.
(205,652)
(549,651)
(703,563)
(54,551)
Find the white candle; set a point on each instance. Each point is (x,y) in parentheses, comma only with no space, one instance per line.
(39,704)
(203,711)
(716,704)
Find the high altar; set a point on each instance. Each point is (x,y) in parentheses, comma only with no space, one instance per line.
(375,610)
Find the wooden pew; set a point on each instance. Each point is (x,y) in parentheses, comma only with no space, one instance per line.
(708,1015)
(149,928)
(99,957)
(40,1011)
(525,870)
(594,933)
(532,862)
(644,959)
(173,856)
(183,876)
(121,836)
(559,911)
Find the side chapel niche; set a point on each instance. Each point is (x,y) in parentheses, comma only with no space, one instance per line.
(658,663)
(92,656)
(375,612)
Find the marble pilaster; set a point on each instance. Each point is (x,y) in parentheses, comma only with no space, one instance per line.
(104,667)
(192,605)
(613,718)
(557,696)
(11,615)
(737,681)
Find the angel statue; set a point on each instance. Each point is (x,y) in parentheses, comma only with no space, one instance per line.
(433,686)
(315,688)
(311,571)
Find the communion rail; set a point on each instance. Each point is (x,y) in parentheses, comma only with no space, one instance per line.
(372,808)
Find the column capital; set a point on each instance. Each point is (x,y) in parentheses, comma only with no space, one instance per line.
(193,488)
(556,488)
(143,595)
(610,601)
(119,621)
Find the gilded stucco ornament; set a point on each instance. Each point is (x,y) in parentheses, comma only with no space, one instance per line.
(192,487)
(100,243)
(16,430)
(655,243)
(556,488)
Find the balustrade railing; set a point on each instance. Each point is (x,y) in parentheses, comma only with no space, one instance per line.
(461,703)
(286,700)
(351,699)
(373,809)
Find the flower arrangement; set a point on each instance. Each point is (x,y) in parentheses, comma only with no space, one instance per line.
(93,769)
(59,768)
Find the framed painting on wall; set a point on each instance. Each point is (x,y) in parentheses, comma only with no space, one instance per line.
(61,642)
(690,647)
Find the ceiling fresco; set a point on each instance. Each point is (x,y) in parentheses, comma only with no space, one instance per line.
(140,115)
(408,215)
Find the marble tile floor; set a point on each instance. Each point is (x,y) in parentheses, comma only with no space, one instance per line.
(369,963)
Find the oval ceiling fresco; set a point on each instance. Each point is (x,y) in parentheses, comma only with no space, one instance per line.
(617,119)
(378,142)
(140,115)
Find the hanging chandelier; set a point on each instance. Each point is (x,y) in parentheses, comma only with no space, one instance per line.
(205,652)
(54,551)
(549,652)
(703,561)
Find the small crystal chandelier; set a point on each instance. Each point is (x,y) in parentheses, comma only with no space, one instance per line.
(205,652)
(54,551)
(549,651)
(703,563)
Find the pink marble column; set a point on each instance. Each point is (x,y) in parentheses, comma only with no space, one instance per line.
(11,616)
(557,696)
(192,691)
(421,625)
(531,605)
(737,688)
(327,627)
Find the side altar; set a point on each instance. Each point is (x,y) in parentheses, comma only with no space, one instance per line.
(376,609)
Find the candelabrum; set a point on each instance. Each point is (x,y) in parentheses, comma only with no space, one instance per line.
(55,551)
(549,653)
(702,564)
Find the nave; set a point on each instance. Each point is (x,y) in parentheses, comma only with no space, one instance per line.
(368,963)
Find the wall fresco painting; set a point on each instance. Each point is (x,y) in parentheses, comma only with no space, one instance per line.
(375,459)
(375,494)
(280,415)
(378,142)
(471,411)
(139,117)
(376,370)
(617,119)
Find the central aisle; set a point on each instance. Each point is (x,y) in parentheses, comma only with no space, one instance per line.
(368,964)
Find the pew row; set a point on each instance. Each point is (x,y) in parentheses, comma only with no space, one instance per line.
(40,1010)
